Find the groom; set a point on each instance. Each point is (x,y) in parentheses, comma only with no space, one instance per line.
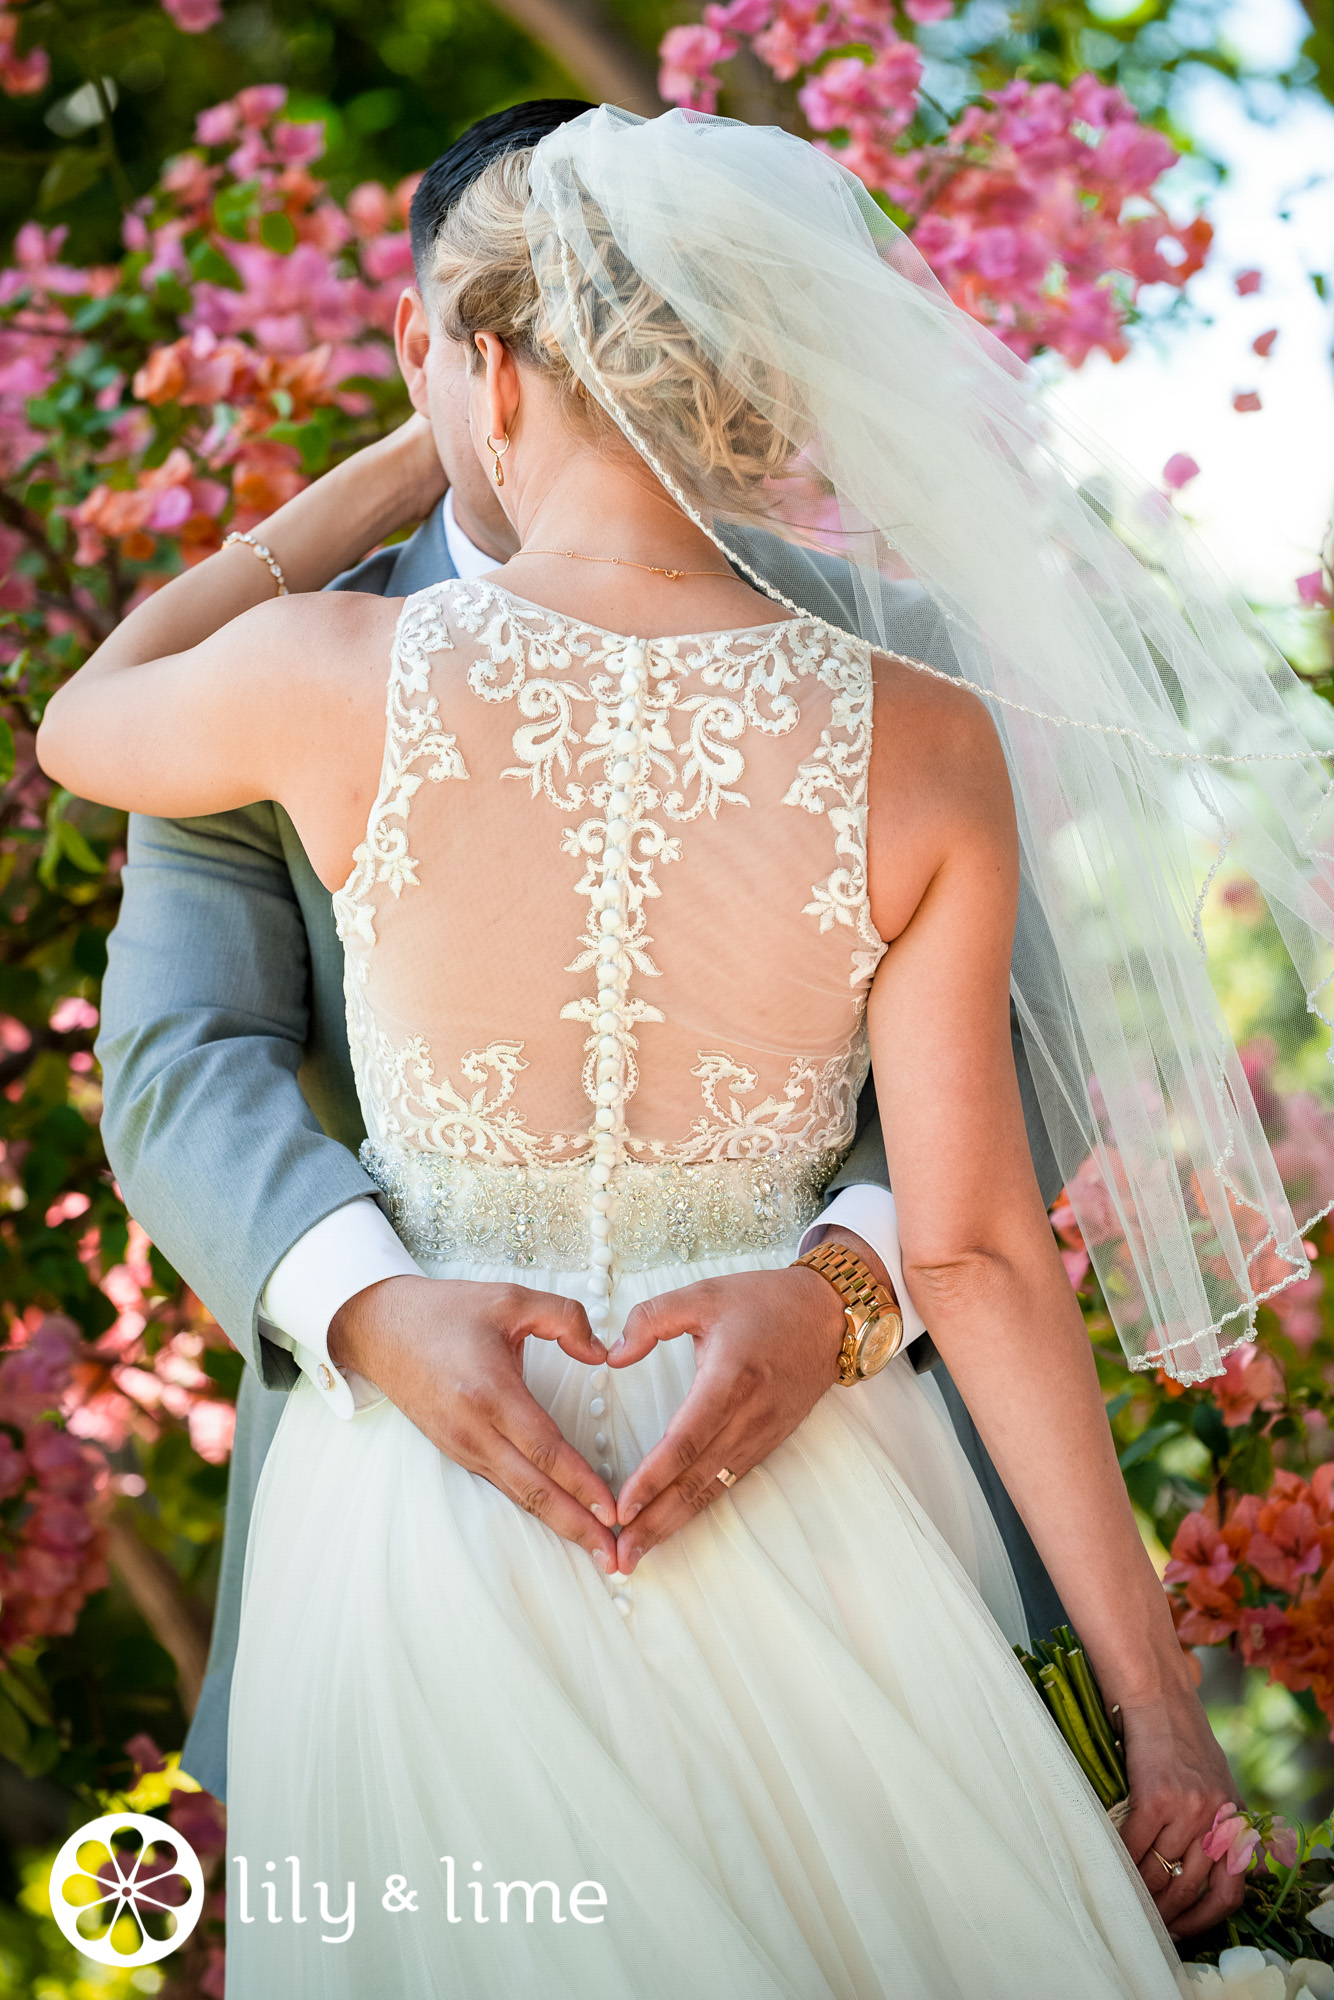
(230,1118)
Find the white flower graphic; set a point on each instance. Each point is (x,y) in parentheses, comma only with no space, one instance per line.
(126,1889)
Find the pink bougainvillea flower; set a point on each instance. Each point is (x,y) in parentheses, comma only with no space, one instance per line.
(1250,1377)
(1263,343)
(1248,281)
(1200,1550)
(1180,470)
(261,102)
(73,1012)
(217,125)
(370,208)
(20,75)
(1264,1634)
(1286,1545)
(688,58)
(1314,589)
(298,145)
(922,11)
(194,17)
(1245,401)
(1231,1838)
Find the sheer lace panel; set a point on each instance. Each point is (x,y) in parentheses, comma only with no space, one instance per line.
(611,906)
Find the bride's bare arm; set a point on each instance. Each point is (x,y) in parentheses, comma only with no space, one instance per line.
(980,1259)
(216,692)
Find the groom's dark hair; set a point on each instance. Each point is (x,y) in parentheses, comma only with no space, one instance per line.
(455,171)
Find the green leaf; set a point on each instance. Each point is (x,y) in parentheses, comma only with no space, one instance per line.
(209,265)
(26,1692)
(1118,1403)
(13,1731)
(1251,1466)
(224,1366)
(92,315)
(234,207)
(276,231)
(64,842)
(1208,1426)
(69,175)
(164,1275)
(170,293)
(1147,1443)
(312,438)
(43,1753)
(6,752)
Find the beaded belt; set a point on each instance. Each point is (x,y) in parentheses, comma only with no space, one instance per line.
(447,1209)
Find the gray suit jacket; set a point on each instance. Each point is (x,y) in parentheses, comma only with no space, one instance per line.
(231,1119)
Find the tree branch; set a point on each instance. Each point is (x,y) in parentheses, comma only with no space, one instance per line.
(592,48)
(156,1589)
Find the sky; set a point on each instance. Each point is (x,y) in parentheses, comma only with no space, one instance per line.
(1263,500)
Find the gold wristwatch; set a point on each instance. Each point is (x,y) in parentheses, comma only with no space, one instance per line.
(875,1325)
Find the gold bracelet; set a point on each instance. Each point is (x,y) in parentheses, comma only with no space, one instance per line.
(265,555)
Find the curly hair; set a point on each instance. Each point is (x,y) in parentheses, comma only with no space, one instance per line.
(706,432)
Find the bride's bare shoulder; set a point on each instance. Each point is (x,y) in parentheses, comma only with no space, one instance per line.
(342,623)
(318,643)
(938,786)
(930,728)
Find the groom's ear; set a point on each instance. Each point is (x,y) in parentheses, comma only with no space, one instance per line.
(412,340)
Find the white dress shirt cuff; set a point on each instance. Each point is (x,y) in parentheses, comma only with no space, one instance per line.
(869,1212)
(349,1250)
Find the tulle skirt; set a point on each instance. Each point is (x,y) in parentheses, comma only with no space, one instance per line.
(791,1758)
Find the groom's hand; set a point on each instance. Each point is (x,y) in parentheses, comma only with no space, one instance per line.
(766,1350)
(449,1353)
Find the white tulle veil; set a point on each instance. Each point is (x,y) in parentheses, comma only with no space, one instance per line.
(1156,740)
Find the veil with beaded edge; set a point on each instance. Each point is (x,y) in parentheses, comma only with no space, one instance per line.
(1154,734)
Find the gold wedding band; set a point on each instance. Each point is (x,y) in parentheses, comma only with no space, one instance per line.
(1173,1867)
(727,1478)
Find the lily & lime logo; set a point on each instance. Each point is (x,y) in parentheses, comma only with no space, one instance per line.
(126,1889)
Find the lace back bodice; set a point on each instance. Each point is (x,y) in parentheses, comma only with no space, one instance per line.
(609,927)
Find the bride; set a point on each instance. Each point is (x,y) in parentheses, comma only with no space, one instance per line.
(636,860)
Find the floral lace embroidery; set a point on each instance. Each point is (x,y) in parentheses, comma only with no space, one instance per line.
(841,767)
(633,779)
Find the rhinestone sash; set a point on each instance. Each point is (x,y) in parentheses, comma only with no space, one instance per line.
(446,1209)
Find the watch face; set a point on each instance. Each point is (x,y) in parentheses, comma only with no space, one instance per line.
(880,1343)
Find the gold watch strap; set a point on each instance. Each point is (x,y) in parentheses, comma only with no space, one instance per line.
(862,1296)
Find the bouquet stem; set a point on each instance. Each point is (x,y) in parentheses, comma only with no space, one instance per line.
(1062,1676)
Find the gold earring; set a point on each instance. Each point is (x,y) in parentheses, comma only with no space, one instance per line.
(498,452)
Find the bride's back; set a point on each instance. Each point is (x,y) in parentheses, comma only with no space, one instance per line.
(612,903)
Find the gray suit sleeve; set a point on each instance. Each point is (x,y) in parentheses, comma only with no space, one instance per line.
(205,1013)
(206,1021)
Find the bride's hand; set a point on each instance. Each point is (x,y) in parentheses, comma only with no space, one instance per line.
(449,1353)
(1179,1778)
(766,1350)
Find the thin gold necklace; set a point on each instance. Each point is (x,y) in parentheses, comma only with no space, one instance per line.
(623,562)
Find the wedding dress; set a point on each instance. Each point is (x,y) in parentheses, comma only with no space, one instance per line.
(608,950)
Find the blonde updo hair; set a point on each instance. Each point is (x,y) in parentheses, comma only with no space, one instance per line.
(707,434)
